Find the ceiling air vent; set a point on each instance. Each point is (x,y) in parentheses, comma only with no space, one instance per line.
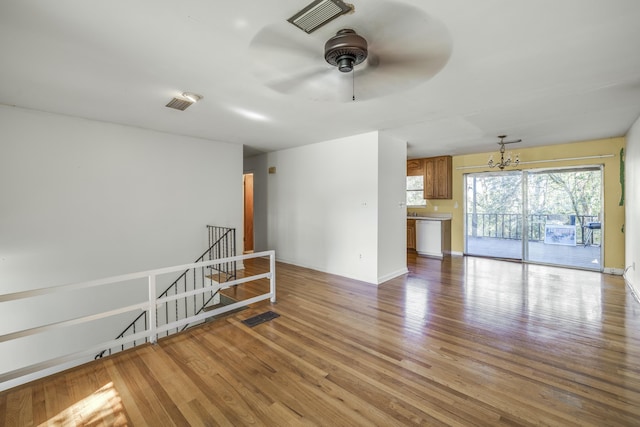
(319,13)
(179,104)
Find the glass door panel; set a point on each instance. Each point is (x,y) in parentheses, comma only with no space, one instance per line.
(493,211)
(563,217)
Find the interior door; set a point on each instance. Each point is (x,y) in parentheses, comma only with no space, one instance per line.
(248,212)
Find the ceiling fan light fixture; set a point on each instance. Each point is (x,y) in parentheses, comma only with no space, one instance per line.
(345,63)
(345,50)
(318,13)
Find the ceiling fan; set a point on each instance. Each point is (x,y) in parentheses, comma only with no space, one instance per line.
(379,49)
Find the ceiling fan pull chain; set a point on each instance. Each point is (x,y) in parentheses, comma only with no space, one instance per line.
(353,84)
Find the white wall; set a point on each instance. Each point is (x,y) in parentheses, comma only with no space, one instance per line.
(632,206)
(84,199)
(324,206)
(81,200)
(392,212)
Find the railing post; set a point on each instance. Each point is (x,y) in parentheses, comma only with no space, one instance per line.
(153,337)
(272,279)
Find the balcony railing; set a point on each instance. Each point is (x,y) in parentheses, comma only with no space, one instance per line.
(509,226)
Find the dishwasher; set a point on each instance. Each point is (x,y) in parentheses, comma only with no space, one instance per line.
(429,238)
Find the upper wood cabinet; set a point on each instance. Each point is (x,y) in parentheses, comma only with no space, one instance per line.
(437,177)
(415,167)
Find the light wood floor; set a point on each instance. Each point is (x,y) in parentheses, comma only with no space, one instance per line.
(464,341)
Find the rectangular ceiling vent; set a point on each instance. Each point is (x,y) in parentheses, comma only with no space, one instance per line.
(179,104)
(319,13)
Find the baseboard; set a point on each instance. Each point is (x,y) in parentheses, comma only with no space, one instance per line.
(634,293)
(614,271)
(322,270)
(393,275)
(454,253)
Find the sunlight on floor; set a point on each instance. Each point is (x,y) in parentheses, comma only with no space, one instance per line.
(103,407)
(416,300)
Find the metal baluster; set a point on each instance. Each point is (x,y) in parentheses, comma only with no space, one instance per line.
(222,241)
(184,299)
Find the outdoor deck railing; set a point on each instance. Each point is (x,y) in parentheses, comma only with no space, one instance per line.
(509,226)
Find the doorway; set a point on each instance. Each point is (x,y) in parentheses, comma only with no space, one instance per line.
(247,185)
(546,216)
(494,215)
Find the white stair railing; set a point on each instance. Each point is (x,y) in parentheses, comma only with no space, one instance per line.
(34,371)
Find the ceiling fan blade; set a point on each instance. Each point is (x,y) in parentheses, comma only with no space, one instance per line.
(282,58)
(406,48)
(295,83)
(388,23)
(403,65)
(284,40)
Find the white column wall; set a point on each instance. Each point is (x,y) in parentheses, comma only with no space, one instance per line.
(392,210)
(323,206)
(632,206)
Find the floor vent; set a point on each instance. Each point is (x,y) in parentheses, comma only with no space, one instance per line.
(260,318)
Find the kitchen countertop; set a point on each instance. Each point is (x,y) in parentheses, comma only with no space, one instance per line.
(432,217)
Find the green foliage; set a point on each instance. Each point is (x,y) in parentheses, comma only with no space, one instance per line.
(565,192)
(621,177)
(495,193)
(559,192)
(415,193)
(494,201)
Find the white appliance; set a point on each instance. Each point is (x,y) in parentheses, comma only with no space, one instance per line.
(429,238)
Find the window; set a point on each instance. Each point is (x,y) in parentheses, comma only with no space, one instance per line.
(415,191)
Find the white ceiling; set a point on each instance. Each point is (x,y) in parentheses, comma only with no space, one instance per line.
(546,71)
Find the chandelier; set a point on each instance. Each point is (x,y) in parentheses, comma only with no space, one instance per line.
(509,160)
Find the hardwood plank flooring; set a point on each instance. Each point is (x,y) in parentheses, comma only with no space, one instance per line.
(461,342)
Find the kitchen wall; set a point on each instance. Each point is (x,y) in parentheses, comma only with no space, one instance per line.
(614,215)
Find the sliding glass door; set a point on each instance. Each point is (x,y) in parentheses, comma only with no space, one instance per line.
(494,214)
(564,212)
(541,216)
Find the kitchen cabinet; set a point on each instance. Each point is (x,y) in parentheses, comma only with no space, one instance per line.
(415,167)
(433,237)
(437,177)
(411,234)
